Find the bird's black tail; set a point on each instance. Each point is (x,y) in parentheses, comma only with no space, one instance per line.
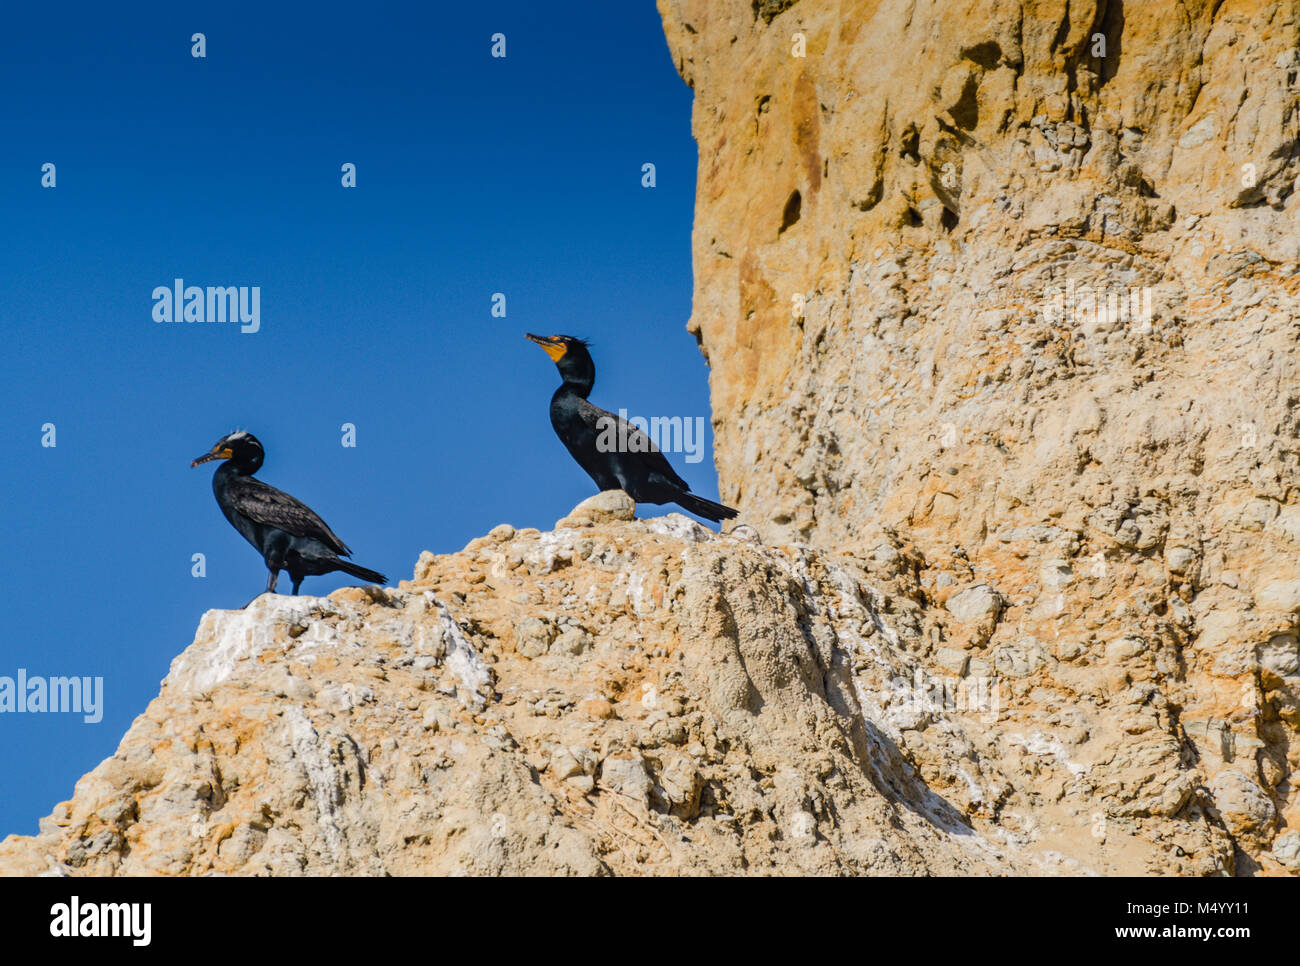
(361,573)
(705,508)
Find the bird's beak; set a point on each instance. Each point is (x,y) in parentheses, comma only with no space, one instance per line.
(217,453)
(552,346)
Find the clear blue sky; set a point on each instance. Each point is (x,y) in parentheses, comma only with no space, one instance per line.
(475,175)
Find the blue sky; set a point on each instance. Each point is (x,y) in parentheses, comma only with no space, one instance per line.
(475,175)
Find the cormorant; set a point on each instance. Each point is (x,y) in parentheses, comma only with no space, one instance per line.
(288,534)
(634,464)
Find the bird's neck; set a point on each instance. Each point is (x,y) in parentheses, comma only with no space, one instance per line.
(577,385)
(230,468)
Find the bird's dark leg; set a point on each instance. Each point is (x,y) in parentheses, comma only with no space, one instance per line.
(271,578)
(296,584)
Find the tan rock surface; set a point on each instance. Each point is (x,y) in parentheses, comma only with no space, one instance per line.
(622,697)
(897,236)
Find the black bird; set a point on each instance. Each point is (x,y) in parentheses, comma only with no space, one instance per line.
(615,454)
(288,534)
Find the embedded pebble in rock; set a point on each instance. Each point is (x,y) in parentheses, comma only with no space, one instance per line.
(1279,595)
(627,777)
(1246,808)
(1286,849)
(976,604)
(604,507)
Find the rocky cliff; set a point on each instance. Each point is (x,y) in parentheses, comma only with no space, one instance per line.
(1000,302)
(1016,284)
(615,696)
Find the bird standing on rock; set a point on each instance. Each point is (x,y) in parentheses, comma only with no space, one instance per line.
(288,534)
(635,465)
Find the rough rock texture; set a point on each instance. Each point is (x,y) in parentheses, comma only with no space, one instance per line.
(907,215)
(615,696)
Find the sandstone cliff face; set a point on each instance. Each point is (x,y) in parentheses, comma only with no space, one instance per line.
(615,696)
(906,215)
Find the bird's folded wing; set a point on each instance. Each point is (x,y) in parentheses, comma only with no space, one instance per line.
(271,507)
(635,442)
